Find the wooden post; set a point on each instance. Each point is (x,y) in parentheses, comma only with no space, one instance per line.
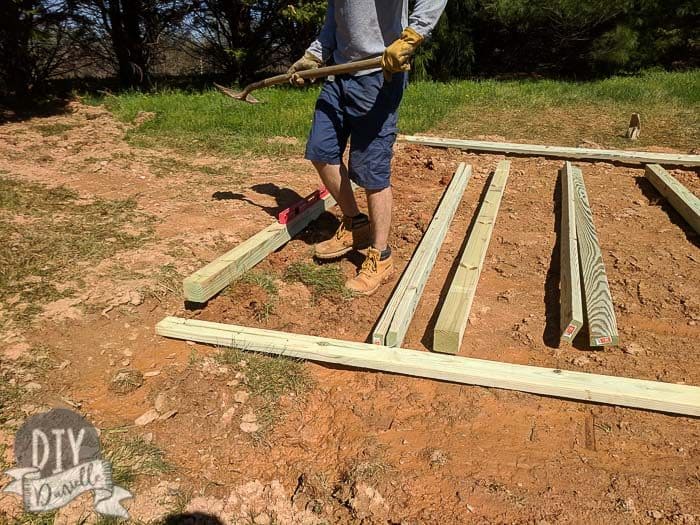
(393,324)
(635,127)
(571,309)
(454,313)
(600,312)
(680,197)
(206,282)
(563,152)
(636,393)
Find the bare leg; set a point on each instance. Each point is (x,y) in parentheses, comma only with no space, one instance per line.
(379,203)
(335,178)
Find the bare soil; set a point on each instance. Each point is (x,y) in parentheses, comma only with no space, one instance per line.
(360,446)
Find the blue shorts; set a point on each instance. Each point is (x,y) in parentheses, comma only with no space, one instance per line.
(363,109)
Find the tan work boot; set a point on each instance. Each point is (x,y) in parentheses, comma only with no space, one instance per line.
(346,238)
(372,274)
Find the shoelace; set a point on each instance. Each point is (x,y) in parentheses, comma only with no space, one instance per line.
(370,263)
(341,230)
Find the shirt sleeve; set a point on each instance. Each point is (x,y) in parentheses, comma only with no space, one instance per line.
(425,16)
(324,45)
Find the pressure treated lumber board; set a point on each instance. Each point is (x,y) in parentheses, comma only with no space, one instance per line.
(206,282)
(392,325)
(637,393)
(600,312)
(680,197)
(454,313)
(571,304)
(612,155)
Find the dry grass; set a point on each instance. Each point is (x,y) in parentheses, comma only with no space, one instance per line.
(49,234)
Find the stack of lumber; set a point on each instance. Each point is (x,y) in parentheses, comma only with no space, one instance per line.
(581,249)
(393,324)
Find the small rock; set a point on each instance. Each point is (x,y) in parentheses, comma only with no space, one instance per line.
(241,396)
(16,350)
(126,381)
(227,417)
(633,349)
(32,387)
(262,519)
(168,415)
(159,403)
(249,418)
(126,362)
(135,298)
(128,353)
(580,361)
(249,428)
(152,373)
(148,417)
(655,514)
(63,365)
(148,437)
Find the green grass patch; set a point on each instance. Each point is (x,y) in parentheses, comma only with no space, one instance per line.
(266,379)
(49,234)
(132,457)
(558,112)
(261,279)
(325,280)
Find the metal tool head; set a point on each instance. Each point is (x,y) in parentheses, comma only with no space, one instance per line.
(242,96)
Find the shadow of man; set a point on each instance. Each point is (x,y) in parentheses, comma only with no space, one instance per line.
(192,518)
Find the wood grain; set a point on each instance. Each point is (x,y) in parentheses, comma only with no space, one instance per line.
(680,197)
(454,313)
(563,152)
(600,312)
(651,395)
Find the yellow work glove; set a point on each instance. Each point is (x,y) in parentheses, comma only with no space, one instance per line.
(308,61)
(397,56)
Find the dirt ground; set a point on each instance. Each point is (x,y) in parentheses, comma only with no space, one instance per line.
(358,446)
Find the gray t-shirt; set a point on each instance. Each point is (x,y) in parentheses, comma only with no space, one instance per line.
(359,29)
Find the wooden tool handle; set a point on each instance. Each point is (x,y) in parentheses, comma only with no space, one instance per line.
(350,67)
(319,72)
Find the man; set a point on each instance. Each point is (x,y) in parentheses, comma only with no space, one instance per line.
(363,108)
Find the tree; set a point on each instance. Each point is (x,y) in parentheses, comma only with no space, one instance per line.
(124,34)
(242,37)
(34,44)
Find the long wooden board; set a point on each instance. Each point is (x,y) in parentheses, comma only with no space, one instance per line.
(571,304)
(454,314)
(680,197)
(600,312)
(612,155)
(393,324)
(206,282)
(651,395)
